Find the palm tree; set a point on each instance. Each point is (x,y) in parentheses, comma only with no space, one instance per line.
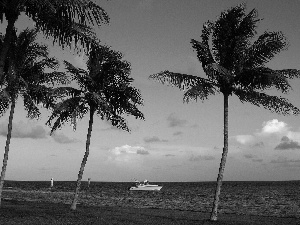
(24,76)
(64,20)
(104,90)
(235,64)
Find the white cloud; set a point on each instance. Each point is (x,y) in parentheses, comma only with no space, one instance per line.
(128,156)
(127,149)
(293,135)
(274,126)
(62,139)
(271,132)
(24,130)
(244,139)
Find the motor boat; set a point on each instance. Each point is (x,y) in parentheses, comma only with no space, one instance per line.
(145,186)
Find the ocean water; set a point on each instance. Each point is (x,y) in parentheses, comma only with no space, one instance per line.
(281,199)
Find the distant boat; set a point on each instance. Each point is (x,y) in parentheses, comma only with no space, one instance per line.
(145,186)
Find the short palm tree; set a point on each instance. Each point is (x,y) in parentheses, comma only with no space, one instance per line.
(64,20)
(25,77)
(235,64)
(104,90)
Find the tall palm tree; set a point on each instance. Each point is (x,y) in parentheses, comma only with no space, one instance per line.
(105,89)
(64,20)
(25,77)
(234,64)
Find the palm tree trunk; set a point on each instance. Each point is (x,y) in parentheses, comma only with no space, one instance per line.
(86,154)
(6,44)
(214,213)
(5,159)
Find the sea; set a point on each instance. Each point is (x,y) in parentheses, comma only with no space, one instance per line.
(264,198)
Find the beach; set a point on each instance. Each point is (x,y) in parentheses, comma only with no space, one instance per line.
(176,203)
(36,212)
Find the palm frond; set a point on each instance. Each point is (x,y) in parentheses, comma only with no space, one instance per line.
(224,35)
(63,92)
(289,73)
(104,88)
(219,73)
(56,16)
(273,103)
(65,111)
(5,99)
(98,100)
(85,11)
(265,48)
(68,34)
(201,91)
(79,75)
(30,106)
(124,101)
(246,29)
(25,74)
(181,81)
(40,95)
(202,48)
(262,78)
(116,120)
(56,77)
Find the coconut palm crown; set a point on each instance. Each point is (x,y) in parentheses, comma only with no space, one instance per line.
(235,63)
(66,21)
(104,89)
(25,76)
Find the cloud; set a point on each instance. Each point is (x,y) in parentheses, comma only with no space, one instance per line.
(253,158)
(274,126)
(129,156)
(62,139)
(154,139)
(142,152)
(127,149)
(285,160)
(22,130)
(249,156)
(257,160)
(259,144)
(194,158)
(287,144)
(269,134)
(177,133)
(169,155)
(173,121)
(244,139)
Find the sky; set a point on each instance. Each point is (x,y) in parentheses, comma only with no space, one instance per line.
(177,141)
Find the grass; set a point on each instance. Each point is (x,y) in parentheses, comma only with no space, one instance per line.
(34,212)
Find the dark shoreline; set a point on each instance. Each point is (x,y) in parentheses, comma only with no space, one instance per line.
(278,201)
(33,212)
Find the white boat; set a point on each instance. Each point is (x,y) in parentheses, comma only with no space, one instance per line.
(145,186)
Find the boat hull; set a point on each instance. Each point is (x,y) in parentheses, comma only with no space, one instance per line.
(145,188)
